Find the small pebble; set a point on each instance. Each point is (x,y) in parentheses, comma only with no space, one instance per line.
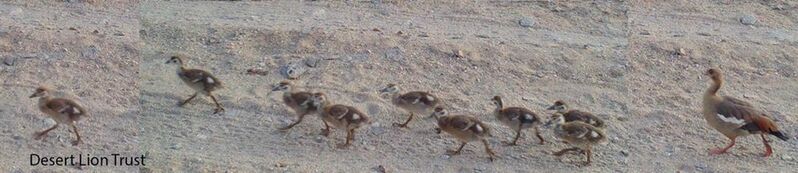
(280,165)
(312,62)
(291,71)
(261,72)
(10,61)
(379,169)
(786,158)
(445,156)
(459,54)
(526,22)
(748,19)
(16,137)
(681,51)
(175,146)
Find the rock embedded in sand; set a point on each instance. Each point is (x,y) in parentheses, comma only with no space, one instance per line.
(291,71)
(526,22)
(379,169)
(748,19)
(458,54)
(681,51)
(786,158)
(313,62)
(10,61)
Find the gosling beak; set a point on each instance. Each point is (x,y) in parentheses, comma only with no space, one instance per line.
(552,107)
(32,95)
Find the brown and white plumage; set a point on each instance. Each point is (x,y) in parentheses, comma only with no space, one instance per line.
(340,116)
(517,118)
(299,101)
(581,135)
(199,80)
(465,129)
(415,102)
(734,117)
(576,115)
(62,110)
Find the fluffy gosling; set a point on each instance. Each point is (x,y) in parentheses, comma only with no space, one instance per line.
(576,133)
(465,129)
(62,110)
(576,115)
(517,118)
(299,101)
(199,80)
(340,116)
(415,102)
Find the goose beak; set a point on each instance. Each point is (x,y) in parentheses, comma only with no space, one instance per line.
(551,107)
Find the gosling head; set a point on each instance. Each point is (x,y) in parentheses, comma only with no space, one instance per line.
(175,59)
(282,86)
(497,101)
(318,99)
(438,112)
(41,91)
(556,118)
(714,74)
(558,106)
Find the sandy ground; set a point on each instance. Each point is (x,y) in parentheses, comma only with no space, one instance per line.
(55,44)
(637,64)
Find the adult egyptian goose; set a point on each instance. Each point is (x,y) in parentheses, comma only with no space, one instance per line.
(199,80)
(517,118)
(576,115)
(734,117)
(299,101)
(62,110)
(581,135)
(415,102)
(340,116)
(465,129)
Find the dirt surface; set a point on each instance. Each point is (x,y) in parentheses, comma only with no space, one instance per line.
(636,64)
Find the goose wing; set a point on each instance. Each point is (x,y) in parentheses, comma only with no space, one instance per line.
(200,76)
(737,101)
(468,124)
(523,115)
(584,131)
(736,112)
(586,117)
(66,107)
